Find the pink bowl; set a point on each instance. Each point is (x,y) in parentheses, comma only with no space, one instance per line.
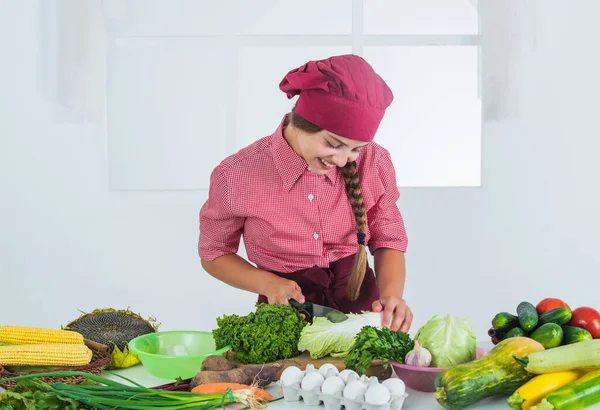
(421,378)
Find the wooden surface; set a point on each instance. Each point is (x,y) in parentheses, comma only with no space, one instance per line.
(304,359)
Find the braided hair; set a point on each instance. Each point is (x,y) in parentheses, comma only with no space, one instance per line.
(350,175)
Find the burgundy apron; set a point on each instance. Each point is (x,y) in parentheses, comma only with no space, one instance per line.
(327,286)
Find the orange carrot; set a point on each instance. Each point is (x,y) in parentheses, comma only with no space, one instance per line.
(215,388)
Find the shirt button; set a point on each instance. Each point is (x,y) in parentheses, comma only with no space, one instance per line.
(316,235)
(311,197)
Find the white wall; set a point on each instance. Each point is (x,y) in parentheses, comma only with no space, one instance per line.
(67,242)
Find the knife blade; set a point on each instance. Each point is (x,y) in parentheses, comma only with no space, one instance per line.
(333,315)
(311,310)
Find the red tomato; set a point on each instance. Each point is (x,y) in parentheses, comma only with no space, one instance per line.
(548,304)
(587,318)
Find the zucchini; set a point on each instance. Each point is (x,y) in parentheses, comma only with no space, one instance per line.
(574,356)
(514,332)
(574,334)
(549,335)
(559,315)
(528,316)
(581,393)
(504,321)
(496,373)
(532,392)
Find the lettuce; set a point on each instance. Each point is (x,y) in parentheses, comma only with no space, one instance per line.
(449,339)
(322,337)
(270,333)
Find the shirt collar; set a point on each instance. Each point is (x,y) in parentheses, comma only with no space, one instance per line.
(290,165)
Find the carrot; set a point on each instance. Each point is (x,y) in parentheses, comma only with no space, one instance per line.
(215,388)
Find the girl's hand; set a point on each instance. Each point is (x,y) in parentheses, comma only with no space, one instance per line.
(280,290)
(396,313)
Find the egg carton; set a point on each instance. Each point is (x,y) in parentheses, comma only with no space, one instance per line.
(336,402)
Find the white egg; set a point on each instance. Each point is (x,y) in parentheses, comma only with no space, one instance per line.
(328,368)
(377,395)
(291,375)
(365,379)
(332,385)
(395,386)
(355,390)
(345,373)
(372,380)
(312,381)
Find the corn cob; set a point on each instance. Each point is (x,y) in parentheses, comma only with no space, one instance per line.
(20,335)
(45,355)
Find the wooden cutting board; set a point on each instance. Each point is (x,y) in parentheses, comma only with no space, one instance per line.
(304,358)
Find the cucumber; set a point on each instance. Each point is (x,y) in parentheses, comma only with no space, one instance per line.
(514,332)
(583,392)
(504,321)
(574,334)
(549,335)
(559,315)
(528,316)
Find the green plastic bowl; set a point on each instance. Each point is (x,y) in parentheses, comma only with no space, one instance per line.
(174,354)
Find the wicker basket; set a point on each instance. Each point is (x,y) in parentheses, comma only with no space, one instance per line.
(100,358)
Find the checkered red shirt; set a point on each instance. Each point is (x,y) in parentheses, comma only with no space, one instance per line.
(290,217)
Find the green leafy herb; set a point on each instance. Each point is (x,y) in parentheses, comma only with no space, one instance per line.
(35,395)
(373,343)
(270,333)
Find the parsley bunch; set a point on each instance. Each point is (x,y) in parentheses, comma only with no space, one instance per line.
(373,343)
(270,333)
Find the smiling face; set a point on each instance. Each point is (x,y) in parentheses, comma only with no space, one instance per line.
(323,150)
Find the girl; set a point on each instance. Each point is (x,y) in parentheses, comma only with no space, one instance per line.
(310,197)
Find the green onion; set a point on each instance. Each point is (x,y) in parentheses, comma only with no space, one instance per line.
(112,395)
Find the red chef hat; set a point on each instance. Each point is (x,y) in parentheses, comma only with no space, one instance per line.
(341,94)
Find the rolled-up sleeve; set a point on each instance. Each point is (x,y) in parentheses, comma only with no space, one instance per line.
(220,227)
(385,221)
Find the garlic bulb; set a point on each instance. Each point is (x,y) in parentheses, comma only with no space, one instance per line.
(419,356)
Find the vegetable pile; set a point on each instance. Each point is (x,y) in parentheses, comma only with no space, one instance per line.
(546,357)
(551,322)
(270,333)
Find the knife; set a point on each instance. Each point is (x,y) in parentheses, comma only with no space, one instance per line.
(310,310)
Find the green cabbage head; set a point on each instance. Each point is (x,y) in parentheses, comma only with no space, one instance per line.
(449,339)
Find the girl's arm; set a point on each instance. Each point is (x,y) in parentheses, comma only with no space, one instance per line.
(390,269)
(239,273)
